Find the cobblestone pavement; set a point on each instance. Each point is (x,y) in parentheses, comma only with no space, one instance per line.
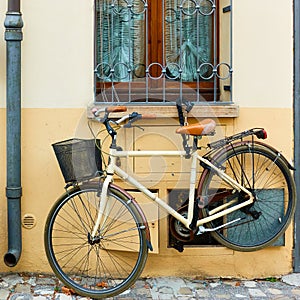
(46,287)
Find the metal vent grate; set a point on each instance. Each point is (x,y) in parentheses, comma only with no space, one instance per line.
(28,221)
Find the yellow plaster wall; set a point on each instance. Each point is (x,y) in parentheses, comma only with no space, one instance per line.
(263,53)
(41,180)
(42,184)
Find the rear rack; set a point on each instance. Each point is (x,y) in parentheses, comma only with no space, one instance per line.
(260,133)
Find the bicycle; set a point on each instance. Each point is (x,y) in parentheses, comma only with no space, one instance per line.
(97,237)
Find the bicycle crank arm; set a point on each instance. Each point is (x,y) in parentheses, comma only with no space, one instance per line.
(202,229)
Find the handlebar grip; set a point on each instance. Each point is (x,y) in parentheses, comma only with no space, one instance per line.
(111,109)
(148,116)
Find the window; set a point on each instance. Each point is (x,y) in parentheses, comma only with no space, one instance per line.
(158,50)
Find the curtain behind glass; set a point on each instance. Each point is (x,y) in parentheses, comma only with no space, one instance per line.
(120,40)
(188,38)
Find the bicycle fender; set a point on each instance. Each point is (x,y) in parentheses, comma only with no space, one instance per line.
(139,209)
(277,153)
(221,151)
(240,143)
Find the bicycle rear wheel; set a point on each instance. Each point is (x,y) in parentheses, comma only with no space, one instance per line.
(267,176)
(111,262)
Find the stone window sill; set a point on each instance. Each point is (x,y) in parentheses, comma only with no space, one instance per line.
(170,111)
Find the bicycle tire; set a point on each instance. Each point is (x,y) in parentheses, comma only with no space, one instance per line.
(111,264)
(266,174)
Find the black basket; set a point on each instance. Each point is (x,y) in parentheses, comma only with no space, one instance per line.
(79,159)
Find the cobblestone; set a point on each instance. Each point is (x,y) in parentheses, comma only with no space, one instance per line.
(48,287)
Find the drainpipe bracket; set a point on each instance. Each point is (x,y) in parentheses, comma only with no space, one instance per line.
(13,192)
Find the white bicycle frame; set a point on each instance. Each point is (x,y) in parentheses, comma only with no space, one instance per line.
(218,212)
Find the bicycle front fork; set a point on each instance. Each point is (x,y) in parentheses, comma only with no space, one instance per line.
(103,203)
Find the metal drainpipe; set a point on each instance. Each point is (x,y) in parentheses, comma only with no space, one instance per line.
(297,130)
(13,36)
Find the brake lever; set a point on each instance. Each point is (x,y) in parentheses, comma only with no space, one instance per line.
(133,117)
(129,125)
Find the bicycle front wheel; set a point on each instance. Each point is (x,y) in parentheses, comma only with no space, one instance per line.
(268,178)
(109,263)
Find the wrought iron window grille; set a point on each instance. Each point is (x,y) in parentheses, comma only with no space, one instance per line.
(193,39)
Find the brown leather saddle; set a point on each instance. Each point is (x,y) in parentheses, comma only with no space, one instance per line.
(205,127)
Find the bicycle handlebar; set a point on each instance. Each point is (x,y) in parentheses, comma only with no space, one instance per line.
(130,117)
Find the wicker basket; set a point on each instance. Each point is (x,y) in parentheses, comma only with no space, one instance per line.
(79,159)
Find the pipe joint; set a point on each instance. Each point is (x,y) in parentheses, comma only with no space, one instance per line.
(13,192)
(13,20)
(13,24)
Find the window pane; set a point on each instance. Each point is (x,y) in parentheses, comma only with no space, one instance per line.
(188,38)
(120,40)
